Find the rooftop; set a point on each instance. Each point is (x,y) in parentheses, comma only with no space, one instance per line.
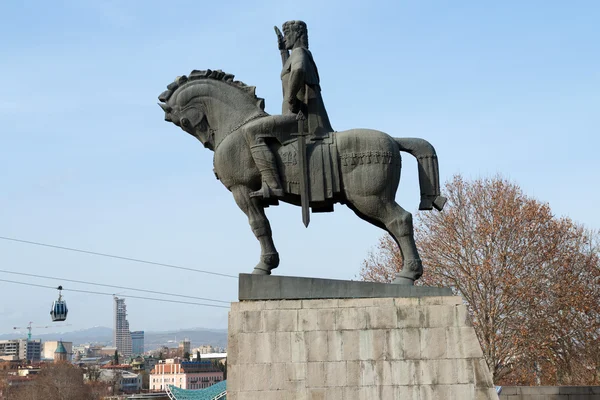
(216,391)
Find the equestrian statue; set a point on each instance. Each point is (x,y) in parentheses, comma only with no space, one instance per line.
(297,157)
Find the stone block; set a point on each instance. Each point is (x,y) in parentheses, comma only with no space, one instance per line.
(320,303)
(483,378)
(440,300)
(283,304)
(433,343)
(280,320)
(253,321)
(439,316)
(411,342)
(462,342)
(352,318)
(462,317)
(408,392)
(296,371)
(264,346)
(351,345)
(371,344)
(485,394)
(447,392)
(369,302)
(310,319)
(255,377)
(315,372)
(282,350)
(331,393)
(335,342)
(409,317)
(368,374)
(394,344)
(233,349)
(316,345)
(335,374)
(235,321)
(406,302)
(250,305)
(382,317)
(279,377)
(298,347)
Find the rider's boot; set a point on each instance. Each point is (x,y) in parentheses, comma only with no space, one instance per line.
(429,181)
(267,165)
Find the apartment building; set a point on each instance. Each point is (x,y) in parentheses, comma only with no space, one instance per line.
(184,374)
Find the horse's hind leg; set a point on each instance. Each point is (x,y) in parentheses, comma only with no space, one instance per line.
(388,214)
(269,257)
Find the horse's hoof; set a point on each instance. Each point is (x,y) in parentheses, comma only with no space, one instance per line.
(430,202)
(400,280)
(439,203)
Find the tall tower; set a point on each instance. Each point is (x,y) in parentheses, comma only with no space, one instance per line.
(121,334)
(137,339)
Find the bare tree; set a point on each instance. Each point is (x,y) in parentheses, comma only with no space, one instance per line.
(531,280)
(60,381)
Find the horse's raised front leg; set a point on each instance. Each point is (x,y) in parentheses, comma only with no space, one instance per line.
(269,257)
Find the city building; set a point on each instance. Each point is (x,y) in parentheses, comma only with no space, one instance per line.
(50,347)
(121,333)
(205,349)
(125,381)
(137,343)
(60,354)
(184,347)
(184,375)
(21,349)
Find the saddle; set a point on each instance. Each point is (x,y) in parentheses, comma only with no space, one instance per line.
(323,170)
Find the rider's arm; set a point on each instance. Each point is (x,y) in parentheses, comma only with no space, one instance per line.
(284,56)
(298,68)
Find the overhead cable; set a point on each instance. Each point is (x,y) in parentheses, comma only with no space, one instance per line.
(111,286)
(112,294)
(115,256)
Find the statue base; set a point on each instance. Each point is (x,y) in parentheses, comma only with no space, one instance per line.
(402,347)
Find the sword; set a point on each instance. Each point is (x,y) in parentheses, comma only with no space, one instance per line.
(303,166)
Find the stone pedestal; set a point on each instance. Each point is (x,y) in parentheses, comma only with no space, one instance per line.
(414,348)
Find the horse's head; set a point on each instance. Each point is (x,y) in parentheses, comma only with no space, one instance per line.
(188,103)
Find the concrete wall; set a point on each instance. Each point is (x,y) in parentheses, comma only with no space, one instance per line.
(550,393)
(379,348)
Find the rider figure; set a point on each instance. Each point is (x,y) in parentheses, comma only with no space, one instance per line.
(301,91)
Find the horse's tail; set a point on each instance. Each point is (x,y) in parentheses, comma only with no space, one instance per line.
(429,175)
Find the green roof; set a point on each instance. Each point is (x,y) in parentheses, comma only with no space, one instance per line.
(60,349)
(201,394)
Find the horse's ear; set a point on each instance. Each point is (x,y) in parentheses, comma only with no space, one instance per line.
(164,96)
(261,104)
(166,108)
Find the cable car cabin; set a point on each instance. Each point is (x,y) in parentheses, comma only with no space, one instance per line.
(59,308)
(59,311)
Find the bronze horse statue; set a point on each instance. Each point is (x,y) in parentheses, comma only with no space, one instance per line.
(359,168)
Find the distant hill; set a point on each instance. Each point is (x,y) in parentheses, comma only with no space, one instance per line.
(152,340)
(97,334)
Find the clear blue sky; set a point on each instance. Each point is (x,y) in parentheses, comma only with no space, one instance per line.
(87,161)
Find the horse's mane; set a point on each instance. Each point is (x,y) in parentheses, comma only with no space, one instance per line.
(217,75)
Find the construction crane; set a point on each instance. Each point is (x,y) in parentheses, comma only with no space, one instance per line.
(29,328)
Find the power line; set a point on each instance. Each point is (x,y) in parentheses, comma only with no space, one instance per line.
(111,294)
(117,257)
(112,286)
